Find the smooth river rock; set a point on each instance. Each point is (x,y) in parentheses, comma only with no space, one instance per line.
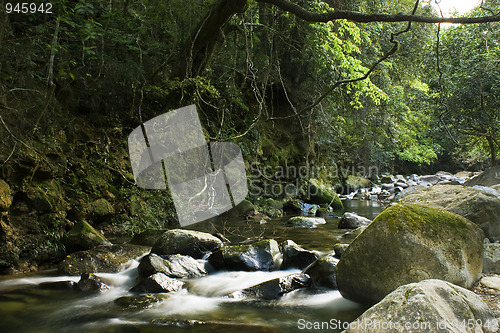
(410,243)
(304,221)
(427,306)
(478,206)
(353,221)
(192,243)
(174,266)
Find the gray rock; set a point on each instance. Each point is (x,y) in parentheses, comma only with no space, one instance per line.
(478,206)
(388,179)
(464,174)
(410,243)
(401,184)
(491,259)
(259,256)
(353,221)
(90,283)
(323,272)
(296,257)
(174,266)
(306,221)
(489,177)
(157,283)
(400,178)
(430,305)
(350,235)
(414,178)
(192,243)
(428,180)
(492,282)
(276,288)
(408,191)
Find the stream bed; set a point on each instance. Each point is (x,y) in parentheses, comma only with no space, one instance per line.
(201,307)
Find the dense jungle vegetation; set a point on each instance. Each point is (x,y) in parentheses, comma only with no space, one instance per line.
(289,85)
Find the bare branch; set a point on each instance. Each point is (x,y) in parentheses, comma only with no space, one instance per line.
(306,15)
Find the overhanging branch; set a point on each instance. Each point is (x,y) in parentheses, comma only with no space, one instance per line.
(366,18)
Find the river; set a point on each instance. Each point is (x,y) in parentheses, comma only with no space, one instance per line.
(202,307)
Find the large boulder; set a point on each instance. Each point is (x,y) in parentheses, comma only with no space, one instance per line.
(93,261)
(478,206)
(489,177)
(259,256)
(320,193)
(491,260)
(83,237)
(5,195)
(295,256)
(353,221)
(427,306)
(157,283)
(189,242)
(410,243)
(174,266)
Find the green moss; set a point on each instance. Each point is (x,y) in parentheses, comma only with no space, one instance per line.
(427,220)
(319,193)
(357,181)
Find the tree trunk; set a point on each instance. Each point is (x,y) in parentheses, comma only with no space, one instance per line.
(200,46)
(493,151)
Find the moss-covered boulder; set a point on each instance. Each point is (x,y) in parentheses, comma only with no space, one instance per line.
(5,196)
(83,237)
(320,193)
(92,261)
(148,237)
(478,206)
(410,243)
(242,209)
(140,302)
(189,242)
(101,208)
(428,306)
(259,256)
(47,196)
(356,182)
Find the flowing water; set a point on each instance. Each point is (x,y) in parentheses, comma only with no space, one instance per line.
(204,306)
